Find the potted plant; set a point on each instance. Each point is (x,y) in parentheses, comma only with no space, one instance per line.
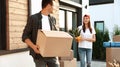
(116,34)
(75,33)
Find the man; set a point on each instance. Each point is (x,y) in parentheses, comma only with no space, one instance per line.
(42,21)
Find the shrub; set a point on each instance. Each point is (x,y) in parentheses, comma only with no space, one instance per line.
(99,52)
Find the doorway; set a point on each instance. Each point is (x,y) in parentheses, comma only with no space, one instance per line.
(2,24)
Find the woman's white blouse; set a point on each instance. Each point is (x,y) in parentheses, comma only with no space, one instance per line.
(87,34)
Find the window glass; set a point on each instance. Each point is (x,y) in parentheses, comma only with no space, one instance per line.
(69,20)
(99,25)
(62,20)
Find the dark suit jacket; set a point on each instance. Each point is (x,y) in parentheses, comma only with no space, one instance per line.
(34,23)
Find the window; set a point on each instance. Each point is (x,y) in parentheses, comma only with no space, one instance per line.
(67,18)
(99,25)
(2,24)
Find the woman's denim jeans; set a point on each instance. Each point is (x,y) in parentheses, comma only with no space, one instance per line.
(83,52)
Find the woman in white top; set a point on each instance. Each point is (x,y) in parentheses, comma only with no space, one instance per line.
(85,45)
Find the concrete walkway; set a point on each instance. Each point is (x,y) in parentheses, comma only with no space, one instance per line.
(23,59)
(95,64)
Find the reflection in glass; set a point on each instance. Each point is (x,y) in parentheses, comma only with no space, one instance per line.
(62,20)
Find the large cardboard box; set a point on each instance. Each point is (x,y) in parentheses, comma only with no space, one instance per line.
(54,43)
(68,58)
(72,63)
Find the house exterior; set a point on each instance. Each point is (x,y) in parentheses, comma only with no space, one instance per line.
(13,18)
(105,14)
(14,14)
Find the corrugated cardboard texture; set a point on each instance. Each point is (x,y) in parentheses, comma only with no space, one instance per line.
(69,58)
(54,43)
(111,54)
(116,38)
(66,63)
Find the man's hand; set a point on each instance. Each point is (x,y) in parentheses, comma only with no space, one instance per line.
(33,46)
(36,49)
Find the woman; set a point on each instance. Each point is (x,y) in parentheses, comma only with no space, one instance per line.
(87,36)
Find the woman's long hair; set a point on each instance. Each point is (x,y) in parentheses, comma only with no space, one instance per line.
(89,25)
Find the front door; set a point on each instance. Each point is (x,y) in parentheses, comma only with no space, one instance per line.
(2,24)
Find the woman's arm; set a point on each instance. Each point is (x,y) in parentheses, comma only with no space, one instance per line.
(93,39)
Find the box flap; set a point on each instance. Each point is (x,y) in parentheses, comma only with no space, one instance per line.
(57,34)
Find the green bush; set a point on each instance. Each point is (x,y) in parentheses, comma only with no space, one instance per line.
(99,52)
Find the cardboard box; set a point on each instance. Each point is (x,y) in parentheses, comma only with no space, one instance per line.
(54,43)
(111,55)
(116,38)
(72,63)
(70,57)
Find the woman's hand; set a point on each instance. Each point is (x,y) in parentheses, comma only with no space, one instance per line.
(87,39)
(93,39)
(78,38)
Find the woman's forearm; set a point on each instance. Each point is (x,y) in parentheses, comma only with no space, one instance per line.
(93,39)
(90,39)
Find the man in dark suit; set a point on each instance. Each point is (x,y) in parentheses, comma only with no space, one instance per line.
(44,21)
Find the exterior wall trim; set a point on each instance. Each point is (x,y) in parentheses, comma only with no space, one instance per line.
(67,8)
(99,2)
(6,52)
(29,8)
(7,25)
(72,3)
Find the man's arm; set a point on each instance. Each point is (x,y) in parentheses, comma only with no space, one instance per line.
(27,30)
(33,46)
(27,34)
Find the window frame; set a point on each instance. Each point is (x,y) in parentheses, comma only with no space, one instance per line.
(66,21)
